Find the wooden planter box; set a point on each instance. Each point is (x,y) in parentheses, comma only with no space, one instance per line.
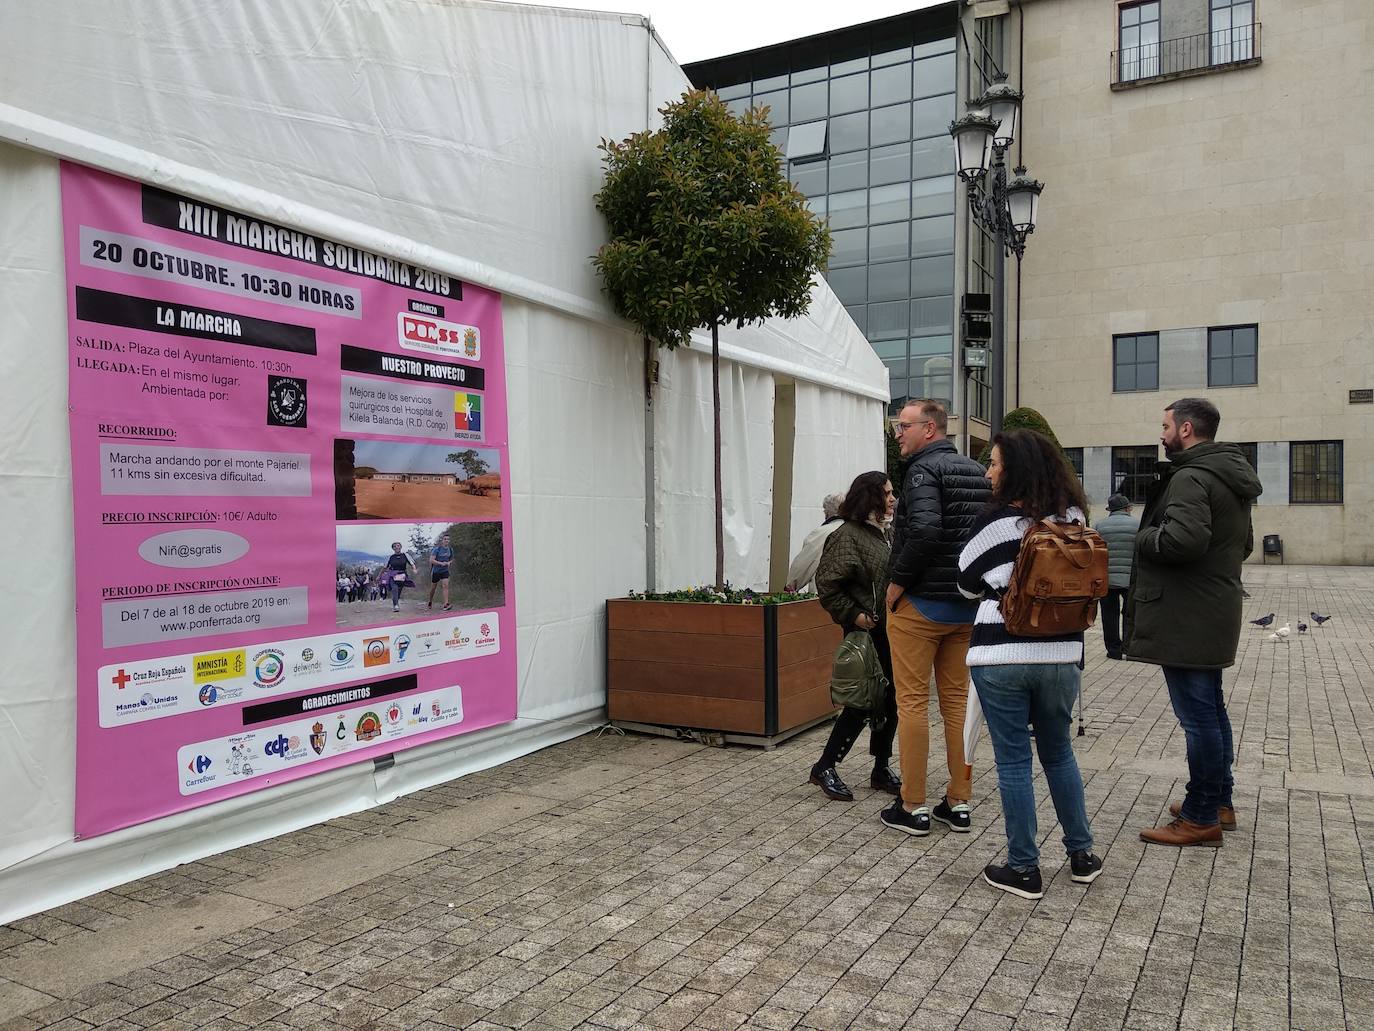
(755,673)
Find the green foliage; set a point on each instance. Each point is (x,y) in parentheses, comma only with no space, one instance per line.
(419,544)
(473,464)
(1023,419)
(728,596)
(896,462)
(705,227)
(477,554)
(364,472)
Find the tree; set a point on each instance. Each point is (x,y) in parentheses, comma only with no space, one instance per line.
(1023,419)
(419,544)
(473,464)
(364,472)
(705,230)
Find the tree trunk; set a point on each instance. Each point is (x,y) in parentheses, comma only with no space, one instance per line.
(715,425)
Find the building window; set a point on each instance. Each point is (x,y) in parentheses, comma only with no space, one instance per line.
(1135,362)
(1316,472)
(1134,469)
(806,141)
(1139,35)
(1233,356)
(1251,453)
(1075,457)
(1233,30)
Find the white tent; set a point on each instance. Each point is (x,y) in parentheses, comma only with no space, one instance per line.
(460,136)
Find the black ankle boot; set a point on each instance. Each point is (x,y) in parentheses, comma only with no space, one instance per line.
(828,780)
(883,779)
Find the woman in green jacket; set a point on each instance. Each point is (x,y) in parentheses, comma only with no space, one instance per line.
(852,583)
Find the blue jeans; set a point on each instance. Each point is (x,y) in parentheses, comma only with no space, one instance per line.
(1201,710)
(1042,696)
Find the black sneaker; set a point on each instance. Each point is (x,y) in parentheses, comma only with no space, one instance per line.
(883,779)
(955,817)
(828,780)
(896,817)
(1084,867)
(1025,885)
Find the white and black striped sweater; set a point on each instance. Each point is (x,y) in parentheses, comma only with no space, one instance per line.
(984,572)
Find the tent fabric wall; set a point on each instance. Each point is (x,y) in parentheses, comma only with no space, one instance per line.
(457,135)
(577,463)
(839,435)
(684,490)
(38,685)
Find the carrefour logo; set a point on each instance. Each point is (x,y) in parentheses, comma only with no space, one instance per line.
(200,764)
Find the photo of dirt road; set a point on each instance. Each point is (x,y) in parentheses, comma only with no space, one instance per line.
(383,499)
(379,479)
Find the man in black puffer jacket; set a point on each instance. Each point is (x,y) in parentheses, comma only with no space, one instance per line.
(941,495)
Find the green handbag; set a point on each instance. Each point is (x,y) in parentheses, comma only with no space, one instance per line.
(856,678)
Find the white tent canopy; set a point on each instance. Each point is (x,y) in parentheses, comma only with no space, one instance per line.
(460,136)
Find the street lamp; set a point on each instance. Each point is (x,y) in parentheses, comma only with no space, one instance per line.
(1007,209)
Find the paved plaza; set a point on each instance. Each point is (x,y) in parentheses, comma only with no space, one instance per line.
(635,882)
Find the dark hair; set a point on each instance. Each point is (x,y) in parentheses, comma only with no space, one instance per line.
(1198,411)
(865,497)
(932,410)
(1036,476)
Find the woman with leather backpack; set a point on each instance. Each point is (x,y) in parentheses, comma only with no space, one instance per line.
(852,583)
(1028,678)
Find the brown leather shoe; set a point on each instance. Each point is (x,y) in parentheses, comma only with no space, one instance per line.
(1225,814)
(1183,832)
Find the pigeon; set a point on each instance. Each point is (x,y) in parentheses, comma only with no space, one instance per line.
(1281,634)
(1263,620)
(1302,628)
(1319,620)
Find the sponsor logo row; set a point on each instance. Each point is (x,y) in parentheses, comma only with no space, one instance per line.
(259,753)
(133,692)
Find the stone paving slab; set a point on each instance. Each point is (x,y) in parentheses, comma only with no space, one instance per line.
(633,882)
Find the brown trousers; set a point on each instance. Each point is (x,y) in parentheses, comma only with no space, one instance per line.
(919,646)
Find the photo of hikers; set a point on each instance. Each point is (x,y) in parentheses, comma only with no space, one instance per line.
(385,479)
(397,572)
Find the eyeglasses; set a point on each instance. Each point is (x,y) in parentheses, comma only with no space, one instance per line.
(904,426)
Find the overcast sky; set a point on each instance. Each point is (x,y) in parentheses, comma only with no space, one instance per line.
(697,29)
(395,457)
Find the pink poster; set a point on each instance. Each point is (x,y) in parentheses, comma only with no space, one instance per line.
(292,503)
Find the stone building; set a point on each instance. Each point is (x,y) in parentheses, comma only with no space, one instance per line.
(1207,228)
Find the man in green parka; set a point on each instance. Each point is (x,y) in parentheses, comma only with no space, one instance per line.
(1183,611)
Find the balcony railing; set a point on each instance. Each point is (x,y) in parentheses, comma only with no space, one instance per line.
(1234,47)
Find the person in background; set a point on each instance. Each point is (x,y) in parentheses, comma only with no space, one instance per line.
(398,565)
(439,561)
(851,581)
(1183,611)
(929,621)
(1118,530)
(803,568)
(1026,683)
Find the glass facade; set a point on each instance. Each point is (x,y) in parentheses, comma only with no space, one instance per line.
(862,117)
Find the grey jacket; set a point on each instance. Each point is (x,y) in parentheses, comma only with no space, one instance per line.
(1119,530)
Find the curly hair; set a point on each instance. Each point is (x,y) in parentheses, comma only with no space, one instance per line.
(1036,477)
(865,497)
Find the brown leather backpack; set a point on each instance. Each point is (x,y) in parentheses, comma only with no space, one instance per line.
(1059,575)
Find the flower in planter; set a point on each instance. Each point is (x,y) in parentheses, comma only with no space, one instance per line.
(729,596)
